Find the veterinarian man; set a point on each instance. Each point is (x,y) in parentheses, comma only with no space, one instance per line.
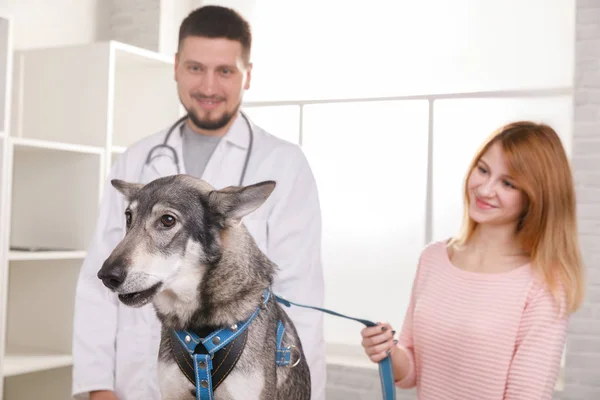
(115,347)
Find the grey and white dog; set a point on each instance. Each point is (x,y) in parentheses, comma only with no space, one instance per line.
(187,251)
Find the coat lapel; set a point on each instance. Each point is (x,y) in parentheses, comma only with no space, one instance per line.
(225,165)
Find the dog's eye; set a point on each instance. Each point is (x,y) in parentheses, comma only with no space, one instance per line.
(128,217)
(167,220)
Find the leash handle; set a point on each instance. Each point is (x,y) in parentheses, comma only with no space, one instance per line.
(386,369)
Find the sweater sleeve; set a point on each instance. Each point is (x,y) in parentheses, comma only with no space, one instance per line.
(540,343)
(405,340)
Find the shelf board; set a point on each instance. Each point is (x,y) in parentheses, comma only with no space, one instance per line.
(27,361)
(36,144)
(46,255)
(130,55)
(118,149)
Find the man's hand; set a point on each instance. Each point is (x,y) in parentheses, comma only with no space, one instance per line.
(103,395)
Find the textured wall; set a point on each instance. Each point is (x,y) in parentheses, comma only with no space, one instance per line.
(583,348)
(135,22)
(150,24)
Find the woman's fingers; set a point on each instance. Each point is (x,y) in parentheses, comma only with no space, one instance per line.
(379,348)
(373,336)
(380,352)
(377,341)
(377,329)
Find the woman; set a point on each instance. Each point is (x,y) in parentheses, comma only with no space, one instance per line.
(488,312)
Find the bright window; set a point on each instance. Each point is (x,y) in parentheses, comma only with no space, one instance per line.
(371,158)
(326,49)
(372,190)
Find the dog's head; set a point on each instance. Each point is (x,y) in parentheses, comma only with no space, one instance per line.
(174,231)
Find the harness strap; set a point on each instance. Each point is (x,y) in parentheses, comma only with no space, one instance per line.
(196,356)
(221,349)
(386,369)
(284,354)
(222,361)
(202,373)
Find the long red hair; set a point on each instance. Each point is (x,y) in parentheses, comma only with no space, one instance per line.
(547,230)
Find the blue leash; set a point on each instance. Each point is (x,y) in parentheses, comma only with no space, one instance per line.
(218,339)
(386,370)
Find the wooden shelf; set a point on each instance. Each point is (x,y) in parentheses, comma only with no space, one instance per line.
(36,144)
(68,122)
(134,97)
(6,63)
(139,58)
(118,149)
(24,361)
(46,255)
(53,382)
(110,79)
(40,294)
(68,179)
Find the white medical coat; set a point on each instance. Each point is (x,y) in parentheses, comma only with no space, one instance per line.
(115,347)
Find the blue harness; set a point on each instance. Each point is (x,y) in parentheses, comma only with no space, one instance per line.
(220,338)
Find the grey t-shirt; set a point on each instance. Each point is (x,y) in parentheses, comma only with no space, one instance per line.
(197,149)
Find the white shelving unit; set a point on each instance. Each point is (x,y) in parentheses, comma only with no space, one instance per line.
(73,110)
(5,90)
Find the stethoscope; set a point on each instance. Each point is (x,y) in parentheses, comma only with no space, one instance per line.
(173,152)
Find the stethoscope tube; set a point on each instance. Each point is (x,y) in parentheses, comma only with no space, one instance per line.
(177,123)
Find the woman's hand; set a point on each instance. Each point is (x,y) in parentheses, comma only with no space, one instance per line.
(378,341)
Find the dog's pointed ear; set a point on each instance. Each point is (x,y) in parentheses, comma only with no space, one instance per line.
(128,189)
(235,202)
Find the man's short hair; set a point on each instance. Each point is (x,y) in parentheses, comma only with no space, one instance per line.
(218,22)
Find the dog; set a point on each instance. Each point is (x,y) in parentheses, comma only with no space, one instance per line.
(187,252)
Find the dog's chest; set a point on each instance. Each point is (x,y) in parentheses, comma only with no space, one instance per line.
(242,385)
(173,384)
(247,385)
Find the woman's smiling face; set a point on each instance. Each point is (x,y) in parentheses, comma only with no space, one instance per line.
(494,197)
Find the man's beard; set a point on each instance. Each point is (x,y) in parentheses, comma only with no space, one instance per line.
(212,125)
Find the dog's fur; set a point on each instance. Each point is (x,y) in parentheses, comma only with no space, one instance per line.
(187,251)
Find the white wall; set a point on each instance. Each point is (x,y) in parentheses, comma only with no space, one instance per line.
(53,22)
(40,23)
(312,49)
(315,49)
(389,182)
(172,13)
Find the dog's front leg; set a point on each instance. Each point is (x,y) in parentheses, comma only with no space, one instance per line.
(173,384)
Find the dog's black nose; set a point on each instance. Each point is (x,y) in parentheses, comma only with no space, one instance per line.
(112,275)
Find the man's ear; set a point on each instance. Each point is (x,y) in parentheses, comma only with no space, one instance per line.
(248,76)
(235,202)
(128,189)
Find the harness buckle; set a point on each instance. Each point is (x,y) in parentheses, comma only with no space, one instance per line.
(291,349)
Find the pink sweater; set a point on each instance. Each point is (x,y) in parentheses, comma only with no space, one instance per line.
(477,336)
